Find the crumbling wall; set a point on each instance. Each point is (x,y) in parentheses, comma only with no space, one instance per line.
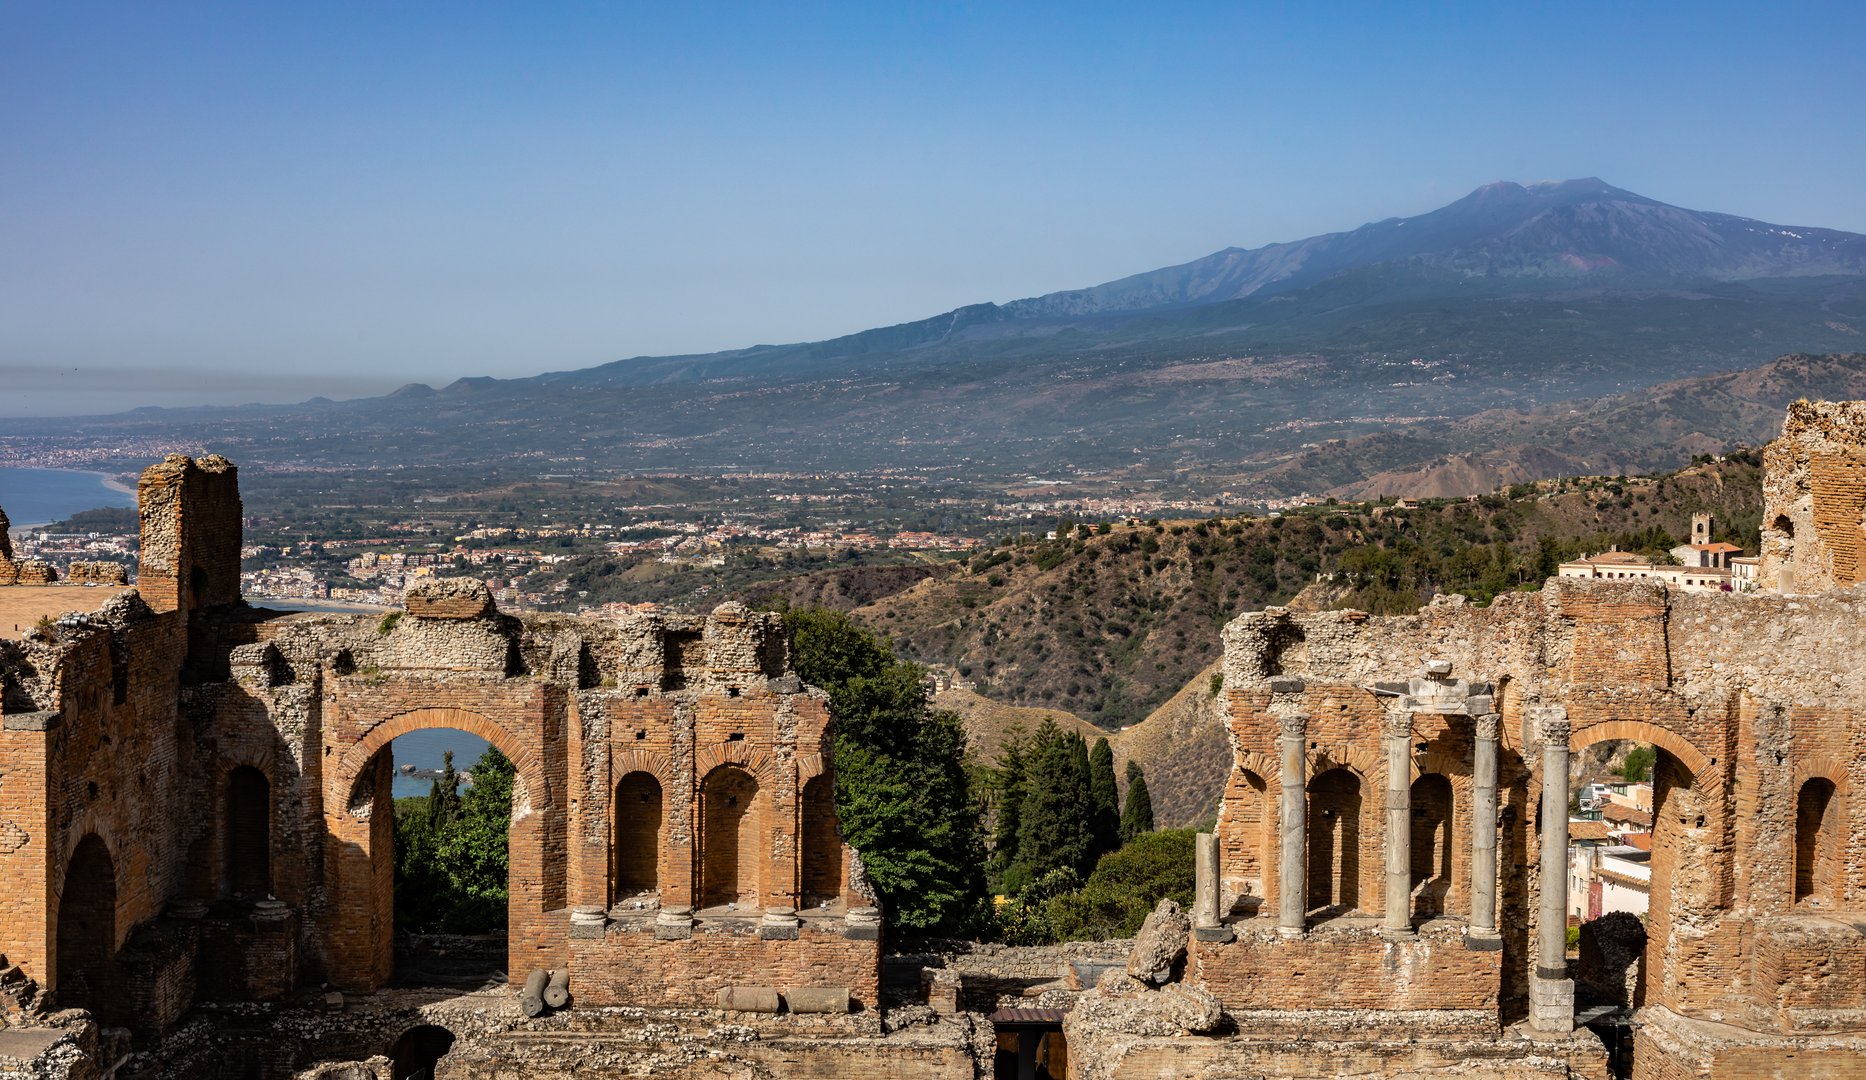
(1814,499)
(191,523)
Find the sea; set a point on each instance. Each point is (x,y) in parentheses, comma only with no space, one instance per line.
(423,750)
(36,496)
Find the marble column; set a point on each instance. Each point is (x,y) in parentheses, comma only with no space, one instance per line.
(1551,991)
(1207,924)
(1292,886)
(1483,924)
(1398,731)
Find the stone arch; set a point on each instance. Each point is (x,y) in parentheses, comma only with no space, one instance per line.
(1694,760)
(1820,841)
(820,872)
(246,848)
(357,947)
(735,752)
(1433,843)
(85,972)
(1334,824)
(640,810)
(732,834)
(525,758)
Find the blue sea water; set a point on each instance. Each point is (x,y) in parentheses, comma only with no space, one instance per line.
(36,496)
(423,750)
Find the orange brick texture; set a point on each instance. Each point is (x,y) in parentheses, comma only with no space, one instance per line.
(194,796)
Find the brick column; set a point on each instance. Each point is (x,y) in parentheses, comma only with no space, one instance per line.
(1293,902)
(1398,732)
(1551,991)
(1482,931)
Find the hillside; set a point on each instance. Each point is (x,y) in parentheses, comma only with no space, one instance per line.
(1108,627)
(1511,298)
(1642,431)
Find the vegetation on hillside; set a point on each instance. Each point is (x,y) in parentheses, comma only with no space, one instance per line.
(1108,625)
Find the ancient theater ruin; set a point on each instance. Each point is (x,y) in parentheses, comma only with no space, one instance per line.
(195,838)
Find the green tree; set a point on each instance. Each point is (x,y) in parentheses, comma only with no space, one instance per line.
(1054,830)
(1007,798)
(474,851)
(1104,799)
(1125,886)
(1637,768)
(902,794)
(1137,813)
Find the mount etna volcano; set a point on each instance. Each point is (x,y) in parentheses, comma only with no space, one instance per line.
(1512,297)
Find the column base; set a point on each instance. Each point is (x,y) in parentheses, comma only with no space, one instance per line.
(1213,934)
(1484,940)
(1394,933)
(1551,1005)
(1291,932)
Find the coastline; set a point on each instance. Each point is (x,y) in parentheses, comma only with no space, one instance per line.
(104,479)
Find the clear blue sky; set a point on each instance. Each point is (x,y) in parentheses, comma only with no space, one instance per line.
(337,197)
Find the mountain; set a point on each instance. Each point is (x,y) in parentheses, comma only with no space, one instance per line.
(1512,298)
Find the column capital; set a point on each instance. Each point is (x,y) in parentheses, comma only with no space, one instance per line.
(1397,724)
(1489,725)
(1551,722)
(1294,725)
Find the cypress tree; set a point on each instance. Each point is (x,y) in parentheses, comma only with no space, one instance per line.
(1104,798)
(1137,815)
(1053,825)
(1008,787)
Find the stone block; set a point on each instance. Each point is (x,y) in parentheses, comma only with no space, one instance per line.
(758,999)
(817,999)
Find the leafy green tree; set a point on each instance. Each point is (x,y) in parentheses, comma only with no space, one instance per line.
(1104,799)
(1137,814)
(1125,886)
(1054,828)
(1637,768)
(451,860)
(902,795)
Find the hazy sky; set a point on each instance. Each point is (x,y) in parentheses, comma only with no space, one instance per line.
(338,197)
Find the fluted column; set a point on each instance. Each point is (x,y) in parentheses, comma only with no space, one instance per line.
(1398,730)
(1292,885)
(1551,991)
(1483,925)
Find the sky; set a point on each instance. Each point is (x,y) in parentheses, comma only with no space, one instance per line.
(265,202)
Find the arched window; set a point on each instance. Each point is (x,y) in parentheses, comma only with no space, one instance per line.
(1335,841)
(1431,843)
(248,855)
(822,843)
(1817,844)
(731,850)
(638,835)
(87,933)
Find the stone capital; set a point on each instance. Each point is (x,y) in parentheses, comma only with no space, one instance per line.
(1551,722)
(1294,725)
(1397,724)
(1489,726)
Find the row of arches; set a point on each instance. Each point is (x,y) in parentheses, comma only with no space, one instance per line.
(734,839)
(1334,826)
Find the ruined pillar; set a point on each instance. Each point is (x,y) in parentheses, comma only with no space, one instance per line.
(1482,932)
(1206,925)
(1551,991)
(1398,730)
(1292,902)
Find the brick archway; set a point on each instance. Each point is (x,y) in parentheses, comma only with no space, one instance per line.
(1694,760)
(358,940)
(525,758)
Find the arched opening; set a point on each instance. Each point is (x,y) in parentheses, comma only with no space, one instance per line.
(638,836)
(452,798)
(1252,808)
(730,839)
(1335,842)
(418,1050)
(87,933)
(1817,842)
(1431,844)
(821,873)
(247,866)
